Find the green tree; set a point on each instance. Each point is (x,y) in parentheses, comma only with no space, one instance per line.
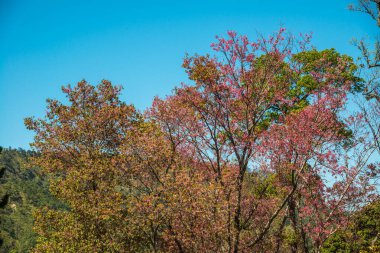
(363,235)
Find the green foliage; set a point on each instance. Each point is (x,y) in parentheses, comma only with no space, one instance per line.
(289,235)
(362,236)
(27,190)
(4,198)
(322,61)
(337,243)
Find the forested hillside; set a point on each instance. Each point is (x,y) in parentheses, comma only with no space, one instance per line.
(27,190)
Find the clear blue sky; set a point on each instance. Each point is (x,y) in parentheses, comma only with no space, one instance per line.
(137,44)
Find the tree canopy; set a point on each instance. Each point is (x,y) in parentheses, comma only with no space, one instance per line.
(253,155)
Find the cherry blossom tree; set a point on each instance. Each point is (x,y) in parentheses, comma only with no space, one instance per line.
(253,156)
(264,121)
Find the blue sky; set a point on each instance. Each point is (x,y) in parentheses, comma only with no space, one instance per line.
(137,44)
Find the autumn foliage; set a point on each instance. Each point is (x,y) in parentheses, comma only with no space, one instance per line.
(252,156)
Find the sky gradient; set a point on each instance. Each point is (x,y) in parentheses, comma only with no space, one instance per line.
(137,44)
